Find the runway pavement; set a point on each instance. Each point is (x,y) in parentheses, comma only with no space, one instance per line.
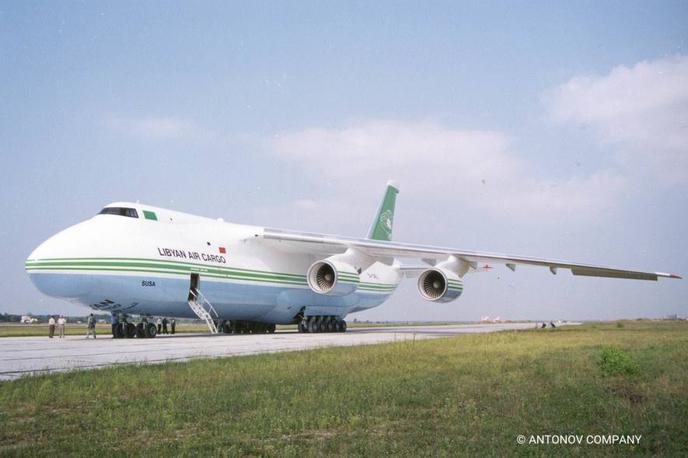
(22,356)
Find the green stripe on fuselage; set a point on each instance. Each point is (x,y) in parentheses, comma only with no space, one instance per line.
(147,265)
(71,261)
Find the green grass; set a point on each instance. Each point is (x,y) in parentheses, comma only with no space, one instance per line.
(468,395)
(614,361)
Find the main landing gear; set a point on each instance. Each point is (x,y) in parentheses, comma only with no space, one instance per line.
(314,324)
(126,330)
(245,327)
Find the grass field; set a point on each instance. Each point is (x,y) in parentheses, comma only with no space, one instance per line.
(468,395)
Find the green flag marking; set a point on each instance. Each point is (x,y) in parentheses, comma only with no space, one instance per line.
(150,215)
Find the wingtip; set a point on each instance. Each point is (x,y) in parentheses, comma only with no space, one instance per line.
(668,275)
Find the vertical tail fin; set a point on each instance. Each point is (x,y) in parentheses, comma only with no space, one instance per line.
(381,228)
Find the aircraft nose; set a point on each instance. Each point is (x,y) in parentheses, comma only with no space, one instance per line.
(47,268)
(39,253)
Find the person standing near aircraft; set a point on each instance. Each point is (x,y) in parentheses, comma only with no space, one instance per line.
(91,326)
(173,324)
(124,326)
(61,322)
(159,323)
(115,323)
(164,326)
(51,327)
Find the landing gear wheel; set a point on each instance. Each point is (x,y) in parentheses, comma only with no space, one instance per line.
(140,331)
(322,326)
(130,330)
(330,325)
(312,326)
(338,326)
(151,330)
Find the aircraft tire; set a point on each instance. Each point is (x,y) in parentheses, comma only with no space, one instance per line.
(131,330)
(322,325)
(151,330)
(331,326)
(312,326)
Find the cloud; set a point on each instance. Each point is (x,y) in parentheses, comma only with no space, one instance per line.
(447,166)
(160,128)
(641,110)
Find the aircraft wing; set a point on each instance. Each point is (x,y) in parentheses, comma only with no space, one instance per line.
(331,244)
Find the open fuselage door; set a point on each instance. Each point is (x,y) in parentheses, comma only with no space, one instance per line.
(200,305)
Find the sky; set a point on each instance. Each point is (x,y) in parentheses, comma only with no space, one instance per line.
(548,129)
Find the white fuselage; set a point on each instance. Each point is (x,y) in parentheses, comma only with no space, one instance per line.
(142,265)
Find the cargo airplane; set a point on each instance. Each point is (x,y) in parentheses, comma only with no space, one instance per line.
(135,259)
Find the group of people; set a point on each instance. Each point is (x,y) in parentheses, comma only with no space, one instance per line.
(60,322)
(162,325)
(544,325)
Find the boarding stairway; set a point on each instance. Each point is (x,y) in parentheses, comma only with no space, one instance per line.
(203,309)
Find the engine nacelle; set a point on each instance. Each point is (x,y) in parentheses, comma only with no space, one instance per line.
(439,285)
(332,277)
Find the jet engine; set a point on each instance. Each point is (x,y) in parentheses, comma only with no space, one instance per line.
(332,277)
(439,285)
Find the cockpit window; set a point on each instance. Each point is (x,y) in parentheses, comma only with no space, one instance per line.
(121,211)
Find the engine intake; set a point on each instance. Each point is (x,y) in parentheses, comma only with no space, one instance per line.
(332,278)
(439,285)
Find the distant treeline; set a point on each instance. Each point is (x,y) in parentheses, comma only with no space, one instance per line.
(12,318)
(9,318)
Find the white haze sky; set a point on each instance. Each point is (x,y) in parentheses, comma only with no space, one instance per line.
(552,129)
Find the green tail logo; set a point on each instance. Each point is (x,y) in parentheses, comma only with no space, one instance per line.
(381,229)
